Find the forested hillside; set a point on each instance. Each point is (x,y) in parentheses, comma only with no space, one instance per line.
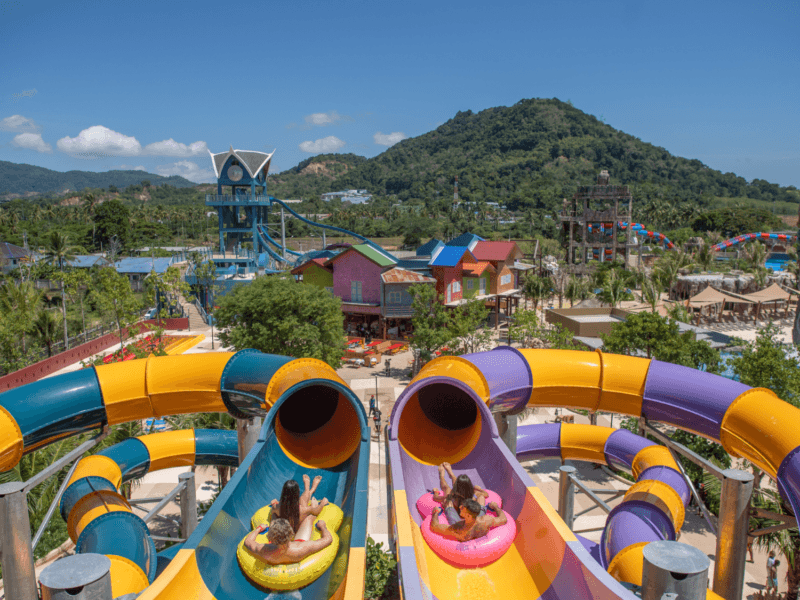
(529,155)
(19,179)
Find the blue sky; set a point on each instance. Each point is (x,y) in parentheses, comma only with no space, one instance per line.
(102,85)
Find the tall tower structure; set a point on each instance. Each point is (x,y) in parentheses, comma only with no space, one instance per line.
(241,201)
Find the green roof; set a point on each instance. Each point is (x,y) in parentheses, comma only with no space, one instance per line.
(375,256)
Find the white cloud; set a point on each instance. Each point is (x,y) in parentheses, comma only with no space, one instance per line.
(323,119)
(18,123)
(389,139)
(97,141)
(326,144)
(172,148)
(31,141)
(187,169)
(131,168)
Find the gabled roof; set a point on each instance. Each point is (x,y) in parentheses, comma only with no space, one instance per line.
(496,250)
(427,248)
(450,256)
(379,258)
(252,160)
(86,262)
(320,262)
(476,269)
(11,251)
(465,240)
(413,264)
(398,275)
(142,265)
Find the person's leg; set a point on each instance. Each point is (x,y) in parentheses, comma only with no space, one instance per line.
(452,516)
(306,529)
(449,470)
(309,489)
(443,483)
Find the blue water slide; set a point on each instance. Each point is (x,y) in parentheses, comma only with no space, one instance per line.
(268,238)
(269,250)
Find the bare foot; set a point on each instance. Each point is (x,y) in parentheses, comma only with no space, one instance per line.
(317,480)
(306,480)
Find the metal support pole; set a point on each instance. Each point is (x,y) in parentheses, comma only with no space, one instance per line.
(188,504)
(674,570)
(734,518)
(247,431)
(324,242)
(566,494)
(593,418)
(507,428)
(642,427)
(283,234)
(19,577)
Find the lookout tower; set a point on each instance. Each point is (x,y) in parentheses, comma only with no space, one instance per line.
(591,222)
(241,202)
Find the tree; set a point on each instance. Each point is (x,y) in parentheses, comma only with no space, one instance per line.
(76,285)
(58,251)
(112,218)
(45,328)
(430,320)
(704,257)
(467,328)
(277,315)
(537,289)
(615,289)
(165,289)
(577,289)
(113,295)
(206,275)
(660,338)
(524,328)
(20,306)
(651,293)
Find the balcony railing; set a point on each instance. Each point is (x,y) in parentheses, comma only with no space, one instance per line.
(230,199)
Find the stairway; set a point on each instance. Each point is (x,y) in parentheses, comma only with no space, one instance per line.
(195,320)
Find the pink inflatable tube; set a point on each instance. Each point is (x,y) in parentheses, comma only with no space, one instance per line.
(474,553)
(426,503)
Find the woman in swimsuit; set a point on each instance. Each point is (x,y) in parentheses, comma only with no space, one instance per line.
(299,509)
(451,498)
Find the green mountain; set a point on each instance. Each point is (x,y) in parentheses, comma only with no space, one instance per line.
(24,180)
(529,155)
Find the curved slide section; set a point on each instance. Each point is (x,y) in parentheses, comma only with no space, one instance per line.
(638,228)
(332,441)
(445,414)
(268,239)
(747,237)
(265,239)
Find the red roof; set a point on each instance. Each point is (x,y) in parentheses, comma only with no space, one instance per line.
(495,250)
(475,269)
(320,262)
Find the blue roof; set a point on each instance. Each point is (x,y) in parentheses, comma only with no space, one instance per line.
(142,265)
(88,261)
(465,239)
(449,256)
(428,248)
(413,264)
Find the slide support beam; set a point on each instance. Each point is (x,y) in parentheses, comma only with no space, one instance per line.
(15,542)
(734,520)
(188,504)
(507,428)
(566,494)
(674,570)
(247,431)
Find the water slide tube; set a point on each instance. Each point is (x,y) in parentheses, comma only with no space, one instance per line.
(333,442)
(264,242)
(746,237)
(445,415)
(269,240)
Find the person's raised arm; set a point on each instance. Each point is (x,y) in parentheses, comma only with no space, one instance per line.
(250,541)
(311,547)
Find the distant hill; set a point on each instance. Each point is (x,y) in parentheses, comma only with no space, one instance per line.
(27,180)
(529,155)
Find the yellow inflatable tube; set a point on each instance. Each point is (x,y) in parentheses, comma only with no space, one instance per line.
(297,575)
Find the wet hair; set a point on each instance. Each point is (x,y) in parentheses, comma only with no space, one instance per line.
(472,506)
(280,532)
(289,507)
(462,490)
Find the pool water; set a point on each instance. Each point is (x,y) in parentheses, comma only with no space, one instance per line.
(727,369)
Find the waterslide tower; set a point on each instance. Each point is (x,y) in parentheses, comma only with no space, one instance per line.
(241,201)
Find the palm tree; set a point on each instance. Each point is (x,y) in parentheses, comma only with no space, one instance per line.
(21,301)
(704,257)
(577,289)
(756,255)
(89,204)
(651,293)
(615,289)
(537,289)
(58,251)
(45,328)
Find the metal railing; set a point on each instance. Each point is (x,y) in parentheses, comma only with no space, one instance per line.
(230,199)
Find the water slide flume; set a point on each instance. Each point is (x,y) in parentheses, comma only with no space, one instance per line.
(315,425)
(445,415)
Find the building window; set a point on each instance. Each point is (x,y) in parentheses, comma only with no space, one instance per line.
(393,298)
(355,291)
(470,284)
(456,287)
(505,279)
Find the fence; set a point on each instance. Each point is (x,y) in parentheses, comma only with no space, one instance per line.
(60,361)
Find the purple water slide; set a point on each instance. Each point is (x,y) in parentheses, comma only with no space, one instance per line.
(539,441)
(630,523)
(789,479)
(622,446)
(508,375)
(687,398)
